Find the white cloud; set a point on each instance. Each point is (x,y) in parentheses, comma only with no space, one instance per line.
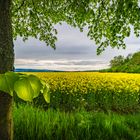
(67,65)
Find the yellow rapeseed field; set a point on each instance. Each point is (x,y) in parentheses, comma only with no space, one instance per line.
(93,89)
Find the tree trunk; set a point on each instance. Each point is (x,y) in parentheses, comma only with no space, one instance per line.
(6,64)
(6,122)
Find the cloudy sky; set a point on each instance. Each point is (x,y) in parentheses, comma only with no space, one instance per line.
(74,51)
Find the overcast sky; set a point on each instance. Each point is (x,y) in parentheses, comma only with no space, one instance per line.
(74,51)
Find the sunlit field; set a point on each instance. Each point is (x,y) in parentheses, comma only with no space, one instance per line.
(93,91)
(84,105)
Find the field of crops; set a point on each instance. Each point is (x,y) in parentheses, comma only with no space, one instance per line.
(81,108)
(92,91)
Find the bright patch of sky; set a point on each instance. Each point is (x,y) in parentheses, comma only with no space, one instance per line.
(74,51)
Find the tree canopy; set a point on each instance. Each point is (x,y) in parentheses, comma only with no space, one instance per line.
(108,21)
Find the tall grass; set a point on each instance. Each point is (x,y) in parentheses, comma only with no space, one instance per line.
(35,124)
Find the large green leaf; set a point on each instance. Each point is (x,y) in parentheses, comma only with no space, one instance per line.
(7,82)
(35,84)
(24,90)
(11,78)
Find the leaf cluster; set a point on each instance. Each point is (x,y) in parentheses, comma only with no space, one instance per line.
(108,21)
(27,87)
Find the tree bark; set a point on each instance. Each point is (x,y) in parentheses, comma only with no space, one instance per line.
(6,121)
(6,64)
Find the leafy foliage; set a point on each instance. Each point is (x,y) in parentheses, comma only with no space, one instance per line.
(27,87)
(108,21)
(129,64)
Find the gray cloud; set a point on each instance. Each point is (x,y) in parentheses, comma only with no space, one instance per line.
(71,45)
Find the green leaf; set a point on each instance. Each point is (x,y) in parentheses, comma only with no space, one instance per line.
(3,84)
(46,91)
(43,83)
(35,84)
(26,87)
(7,82)
(24,90)
(46,94)
(11,79)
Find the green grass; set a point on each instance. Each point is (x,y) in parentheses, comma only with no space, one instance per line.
(35,124)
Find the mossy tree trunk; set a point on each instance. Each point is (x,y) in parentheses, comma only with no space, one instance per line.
(6,64)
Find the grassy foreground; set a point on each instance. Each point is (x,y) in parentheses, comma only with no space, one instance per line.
(36,124)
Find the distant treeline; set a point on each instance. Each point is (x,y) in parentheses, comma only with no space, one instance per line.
(130,64)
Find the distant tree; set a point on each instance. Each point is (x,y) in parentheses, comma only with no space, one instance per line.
(135,59)
(127,59)
(129,64)
(117,61)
